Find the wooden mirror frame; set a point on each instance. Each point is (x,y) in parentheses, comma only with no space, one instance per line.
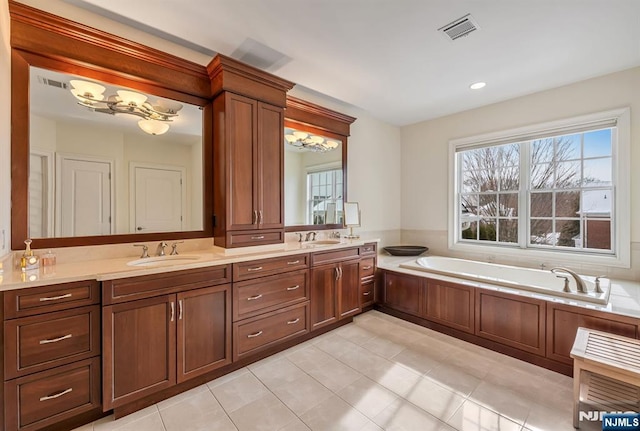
(45,40)
(307,116)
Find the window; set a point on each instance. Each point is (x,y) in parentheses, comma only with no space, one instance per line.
(324,197)
(558,187)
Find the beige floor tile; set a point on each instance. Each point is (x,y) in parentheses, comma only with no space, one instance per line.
(501,400)
(109,423)
(334,374)
(401,415)
(367,396)
(419,361)
(454,379)
(334,414)
(396,378)
(296,425)
(434,399)
(337,346)
(302,394)
(227,377)
(275,373)
(383,346)
(182,397)
(87,427)
(199,412)
(472,417)
(544,418)
(364,361)
(354,333)
(152,422)
(239,392)
(264,414)
(472,363)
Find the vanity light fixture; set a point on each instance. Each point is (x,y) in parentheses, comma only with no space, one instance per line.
(154,116)
(477,85)
(311,142)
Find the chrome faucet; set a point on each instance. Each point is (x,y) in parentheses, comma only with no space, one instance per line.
(145,250)
(161,248)
(597,281)
(300,235)
(311,235)
(582,288)
(174,248)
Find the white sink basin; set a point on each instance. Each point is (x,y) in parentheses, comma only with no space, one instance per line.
(164,260)
(321,243)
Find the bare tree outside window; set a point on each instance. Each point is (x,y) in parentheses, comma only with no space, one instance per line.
(564,173)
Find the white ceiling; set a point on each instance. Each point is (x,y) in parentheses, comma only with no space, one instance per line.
(387,57)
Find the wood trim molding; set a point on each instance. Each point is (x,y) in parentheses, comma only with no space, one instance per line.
(318,116)
(227,74)
(46,34)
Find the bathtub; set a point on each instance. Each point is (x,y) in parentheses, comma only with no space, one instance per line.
(535,280)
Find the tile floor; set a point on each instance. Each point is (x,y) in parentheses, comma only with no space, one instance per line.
(376,373)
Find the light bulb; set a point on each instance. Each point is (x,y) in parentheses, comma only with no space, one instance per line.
(86,91)
(131,97)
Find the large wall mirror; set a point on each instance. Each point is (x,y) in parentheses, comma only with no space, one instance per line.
(315,166)
(111,140)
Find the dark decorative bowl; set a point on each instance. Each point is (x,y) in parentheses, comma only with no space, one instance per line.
(406,250)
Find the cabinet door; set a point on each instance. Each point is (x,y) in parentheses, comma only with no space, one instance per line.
(324,308)
(451,305)
(270,166)
(403,293)
(563,323)
(349,289)
(511,320)
(204,330)
(139,355)
(241,123)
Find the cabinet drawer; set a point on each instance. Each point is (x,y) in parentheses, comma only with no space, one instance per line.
(367,267)
(369,248)
(258,333)
(265,294)
(147,286)
(37,300)
(260,268)
(42,399)
(334,256)
(40,342)
(367,293)
(245,239)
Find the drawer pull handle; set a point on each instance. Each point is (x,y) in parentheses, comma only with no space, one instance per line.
(257,334)
(55,298)
(293,322)
(297,286)
(180,309)
(293,263)
(254,297)
(55,340)
(367,267)
(366,293)
(258,237)
(257,268)
(173,311)
(58,395)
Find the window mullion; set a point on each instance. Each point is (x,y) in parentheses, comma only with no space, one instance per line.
(523,195)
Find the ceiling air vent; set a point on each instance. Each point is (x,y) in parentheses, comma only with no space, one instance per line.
(459,28)
(52,83)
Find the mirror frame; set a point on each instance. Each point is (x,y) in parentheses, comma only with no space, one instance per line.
(45,40)
(307,116)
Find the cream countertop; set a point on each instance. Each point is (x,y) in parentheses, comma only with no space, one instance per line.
(624,298)
(114,268)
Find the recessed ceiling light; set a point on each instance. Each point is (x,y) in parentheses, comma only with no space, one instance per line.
(477,85)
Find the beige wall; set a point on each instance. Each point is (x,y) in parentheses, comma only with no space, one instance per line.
(425,163)
(5,130)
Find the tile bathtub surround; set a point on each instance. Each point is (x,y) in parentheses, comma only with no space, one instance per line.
(377,373)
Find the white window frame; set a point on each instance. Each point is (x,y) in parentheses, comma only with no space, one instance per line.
(621,256)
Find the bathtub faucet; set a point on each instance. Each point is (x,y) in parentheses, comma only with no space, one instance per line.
(582,288)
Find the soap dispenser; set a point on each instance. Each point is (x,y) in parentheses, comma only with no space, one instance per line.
(28,261)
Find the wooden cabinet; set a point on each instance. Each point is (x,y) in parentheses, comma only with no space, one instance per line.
(270,302)
(511,320)
(51,354)
(249,171)
(450,304)
(335,286)
(563,322)
(367,275)
(179,329)
(403,293)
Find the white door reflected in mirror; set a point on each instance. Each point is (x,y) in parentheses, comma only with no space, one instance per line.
(351,217)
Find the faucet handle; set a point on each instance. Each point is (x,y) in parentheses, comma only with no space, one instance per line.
(597,282)
(174,248)
(566,283)
(161,248)
(145,250)
(299,236)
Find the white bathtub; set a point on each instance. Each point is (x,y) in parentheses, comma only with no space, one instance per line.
(542,281)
